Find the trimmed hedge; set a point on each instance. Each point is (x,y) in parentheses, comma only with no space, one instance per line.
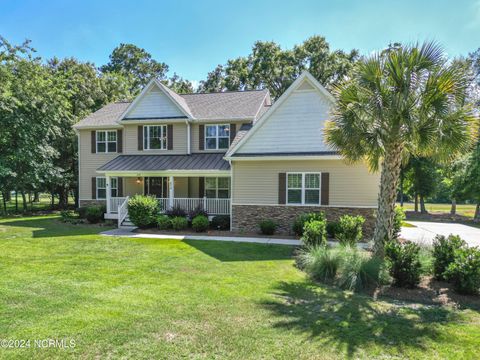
(299,222)
(200,223)
(94,214)
(164,222)
(220,222)
(405,266)
(444,253)
(349,230)
(464,271)
(315,233)
(179,223)
(143,210)
(267,227)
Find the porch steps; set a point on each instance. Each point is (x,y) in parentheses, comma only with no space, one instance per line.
(127,222)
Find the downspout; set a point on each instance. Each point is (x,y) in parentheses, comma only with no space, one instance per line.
(188,137)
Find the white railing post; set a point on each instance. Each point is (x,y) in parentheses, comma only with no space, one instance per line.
(171,191)
(109,194)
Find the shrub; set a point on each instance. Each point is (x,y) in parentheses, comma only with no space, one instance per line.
(199,210)
(332,228)
(398,219)
(179,223)
(267,227)
(315,233)
(176,211)
(82,212)
(220,222)
(143,210)
(404,263)
(320,263)
(444,253)
(349,230)
(464,271)
(67,215)
(164,222)
(359,270)
(94,214)
(200,223)
(300,221)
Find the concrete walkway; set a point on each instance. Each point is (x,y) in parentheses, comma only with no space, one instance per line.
(127,232)
(425,232)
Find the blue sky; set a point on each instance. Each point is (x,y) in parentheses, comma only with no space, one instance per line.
(192,37)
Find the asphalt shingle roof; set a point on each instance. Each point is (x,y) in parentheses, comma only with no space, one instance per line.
(167,162)
(204,106)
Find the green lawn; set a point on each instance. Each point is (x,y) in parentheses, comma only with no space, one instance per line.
(153,299)
(462,209)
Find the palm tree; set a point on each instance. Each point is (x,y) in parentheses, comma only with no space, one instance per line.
(406,100)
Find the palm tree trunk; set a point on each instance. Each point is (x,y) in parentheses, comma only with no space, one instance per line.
(476,217)
(401,186)
(386,199)
(453,209)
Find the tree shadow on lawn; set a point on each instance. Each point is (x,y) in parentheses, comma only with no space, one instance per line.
(53,227)
(234,251)
(352,322)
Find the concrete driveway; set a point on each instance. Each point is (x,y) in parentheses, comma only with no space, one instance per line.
(424,232)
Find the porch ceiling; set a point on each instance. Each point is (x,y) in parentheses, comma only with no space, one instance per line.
(149,163)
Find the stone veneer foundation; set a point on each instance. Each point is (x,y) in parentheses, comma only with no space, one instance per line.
(247,217)
(84,203)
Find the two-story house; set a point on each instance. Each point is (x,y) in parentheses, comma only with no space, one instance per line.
(233,153)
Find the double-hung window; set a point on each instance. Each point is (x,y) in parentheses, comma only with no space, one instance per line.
(217,137)
(303,188)
(106,141)
(217,187)
(155,137)
(102,187)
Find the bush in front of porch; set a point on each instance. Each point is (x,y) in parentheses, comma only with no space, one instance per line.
(143,210)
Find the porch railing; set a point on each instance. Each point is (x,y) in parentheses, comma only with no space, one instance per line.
(122,210)
(211,206)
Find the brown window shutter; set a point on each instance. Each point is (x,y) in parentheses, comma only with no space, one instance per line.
(93,136)
(170,137)
(282,188)
(325,191)
(201,137)
(120,187)
(140,138)
(201,187)
(233,132)
(119,141)
(94,187)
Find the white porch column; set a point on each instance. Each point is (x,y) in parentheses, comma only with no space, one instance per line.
(109,193)
(171,191)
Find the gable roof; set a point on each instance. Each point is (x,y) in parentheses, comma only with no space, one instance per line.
(264,118)
(229,105)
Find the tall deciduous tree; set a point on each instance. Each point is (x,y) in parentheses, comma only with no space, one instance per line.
(270,66)
(423,177)
(407,100)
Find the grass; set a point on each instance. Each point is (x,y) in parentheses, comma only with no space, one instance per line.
(462,209)
(149,298)
(44,203)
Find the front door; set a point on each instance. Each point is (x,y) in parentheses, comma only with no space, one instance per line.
(156,186)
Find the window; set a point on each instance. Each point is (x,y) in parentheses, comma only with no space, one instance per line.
(217,187)
(155,137)
(217,137)
(102,187)
(303,188)
(106,141)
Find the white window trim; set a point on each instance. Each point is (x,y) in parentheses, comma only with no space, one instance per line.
(216,137)
(217,188)
(106,141)
(111,188)
(146,138)
(303,188)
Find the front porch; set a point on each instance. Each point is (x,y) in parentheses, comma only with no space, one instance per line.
(211,193)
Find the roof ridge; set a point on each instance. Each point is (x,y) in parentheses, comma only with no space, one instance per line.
(225,92)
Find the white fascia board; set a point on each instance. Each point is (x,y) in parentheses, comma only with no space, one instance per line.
(180,173)
(97,127)
(283,157)
(152,121)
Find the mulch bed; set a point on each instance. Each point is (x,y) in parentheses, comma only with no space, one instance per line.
(430,292)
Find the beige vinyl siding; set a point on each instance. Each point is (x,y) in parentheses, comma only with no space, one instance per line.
(256,182)
(89,163)
(131,187)
(195,128)
(155,104)
(295,126)
(179,140)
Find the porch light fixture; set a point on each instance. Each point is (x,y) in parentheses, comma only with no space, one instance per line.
(139,181)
